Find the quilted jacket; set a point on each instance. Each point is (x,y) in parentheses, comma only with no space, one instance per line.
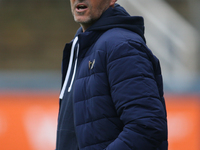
(118,90)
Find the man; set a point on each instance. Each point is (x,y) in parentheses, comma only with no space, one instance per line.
(112,91)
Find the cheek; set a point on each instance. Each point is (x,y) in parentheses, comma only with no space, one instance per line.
(97,12)
(71,8)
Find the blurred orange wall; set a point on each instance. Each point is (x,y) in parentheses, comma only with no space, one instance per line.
(183,122)
(28,121)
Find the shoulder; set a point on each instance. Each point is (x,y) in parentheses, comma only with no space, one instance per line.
(116,37)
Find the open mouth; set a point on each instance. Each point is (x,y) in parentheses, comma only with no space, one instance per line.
(81,7)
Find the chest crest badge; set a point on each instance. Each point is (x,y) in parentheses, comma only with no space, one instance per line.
(91,64)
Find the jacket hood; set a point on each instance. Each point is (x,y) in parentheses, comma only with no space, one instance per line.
(117,17)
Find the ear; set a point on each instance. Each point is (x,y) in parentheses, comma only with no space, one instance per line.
(112,3)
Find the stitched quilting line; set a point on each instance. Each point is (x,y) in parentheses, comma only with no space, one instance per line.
(99,143)
(92,97)
(90,75)
(95,120)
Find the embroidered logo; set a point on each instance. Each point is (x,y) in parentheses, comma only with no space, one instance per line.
(91,64)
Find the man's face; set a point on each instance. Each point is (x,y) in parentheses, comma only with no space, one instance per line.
(86,12)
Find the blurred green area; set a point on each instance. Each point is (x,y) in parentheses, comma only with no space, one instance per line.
(33,33)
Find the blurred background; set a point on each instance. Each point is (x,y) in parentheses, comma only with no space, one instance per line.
(33,34)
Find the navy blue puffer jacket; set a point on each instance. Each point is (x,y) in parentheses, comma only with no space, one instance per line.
(118,89)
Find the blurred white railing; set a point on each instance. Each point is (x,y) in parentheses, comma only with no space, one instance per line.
(171,38)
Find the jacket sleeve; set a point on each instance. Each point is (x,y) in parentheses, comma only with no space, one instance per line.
(136,97)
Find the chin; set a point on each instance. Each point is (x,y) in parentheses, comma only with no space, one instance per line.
(82,19)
